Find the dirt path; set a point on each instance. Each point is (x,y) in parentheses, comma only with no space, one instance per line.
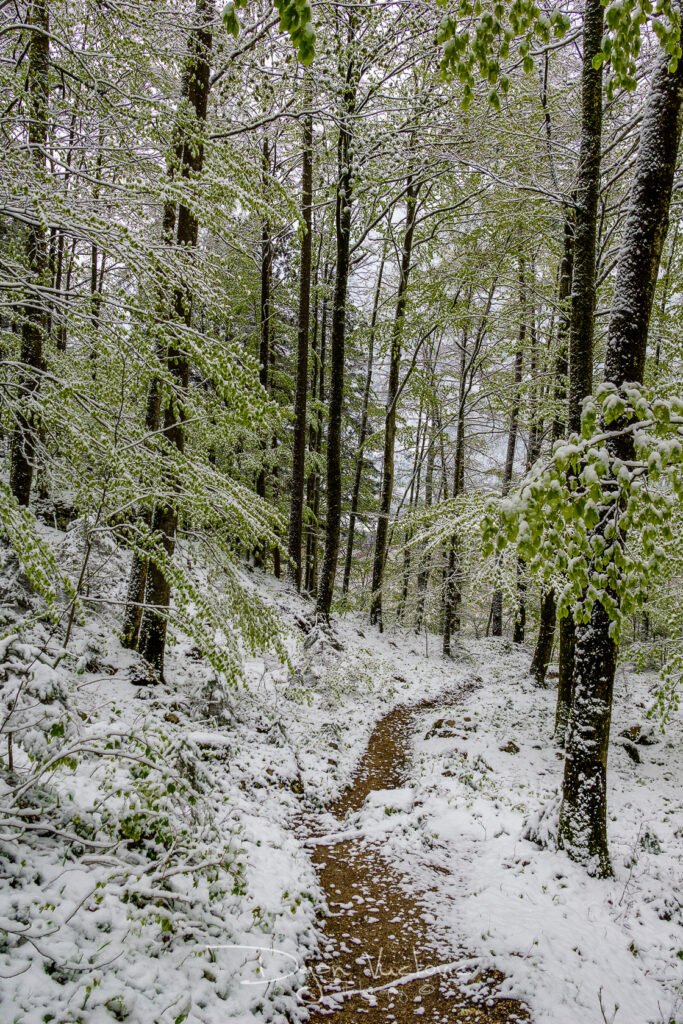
(376,933)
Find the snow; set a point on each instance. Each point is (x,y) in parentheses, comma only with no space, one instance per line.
(211,917)
(565,942)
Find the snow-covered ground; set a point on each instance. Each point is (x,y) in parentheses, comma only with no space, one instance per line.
(160,851)
(486,775)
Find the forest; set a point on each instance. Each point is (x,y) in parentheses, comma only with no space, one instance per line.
(341,522)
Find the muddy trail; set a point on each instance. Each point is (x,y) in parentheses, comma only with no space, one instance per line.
(381,963)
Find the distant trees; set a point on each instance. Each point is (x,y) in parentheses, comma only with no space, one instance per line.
(253,312)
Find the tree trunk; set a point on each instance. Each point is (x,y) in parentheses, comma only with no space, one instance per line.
(584,262)
(137,579)
(546,630)
(497,602)
(364,431)
(338,339)
(423,574)
(264,327)
(35,315)
(296,510)
(413,499)
(392,402)
(452,594)
(316,443)
(546,637)
(582,830)
(586,218)
(196,84)
(533,453)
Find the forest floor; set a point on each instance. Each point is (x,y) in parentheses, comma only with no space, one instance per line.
(380,961)
(211,857)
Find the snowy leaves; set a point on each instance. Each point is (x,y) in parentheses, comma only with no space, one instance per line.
(625,22)
(295,19)
(477,37)
(230,19)
(36,558)
(603,524)
(475,41)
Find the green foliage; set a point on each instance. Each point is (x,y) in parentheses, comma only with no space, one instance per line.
(36,557)
(478,37)
(295,18)
(626,21)
(601,524)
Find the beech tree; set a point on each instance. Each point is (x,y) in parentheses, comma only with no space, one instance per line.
(252,307)
(583,815)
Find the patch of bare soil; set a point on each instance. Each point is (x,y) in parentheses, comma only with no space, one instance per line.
(381,964)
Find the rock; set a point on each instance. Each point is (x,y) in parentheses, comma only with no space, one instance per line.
(643,736)
(442,729)
(632,733)
(632,751)
(323,635)
(510,748)
(55,513)
(143,674)
(650,842)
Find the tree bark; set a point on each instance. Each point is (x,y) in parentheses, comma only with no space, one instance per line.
(392,402)
(584,267)
(296,510)
(546,630)
(137,579)
(334,426)
(264,326)
(316,444)
(452,593)
(497,602)
(35,313)
(546,637)
(582,830)
(533,453)
(586,218)
(423,574)
(364,430)
(413,499)
(196,84)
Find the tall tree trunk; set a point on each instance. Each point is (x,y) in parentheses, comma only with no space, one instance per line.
(392,402)
(196,84)
(533,453)
(264,324)
(35,314)
(137,579)
(364,430)
(584,275)
(414,499)
(582,830)
(296,510)
(423,574)
(344,199)
(452,593)
(497,602)
(546,629)
(316,443)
